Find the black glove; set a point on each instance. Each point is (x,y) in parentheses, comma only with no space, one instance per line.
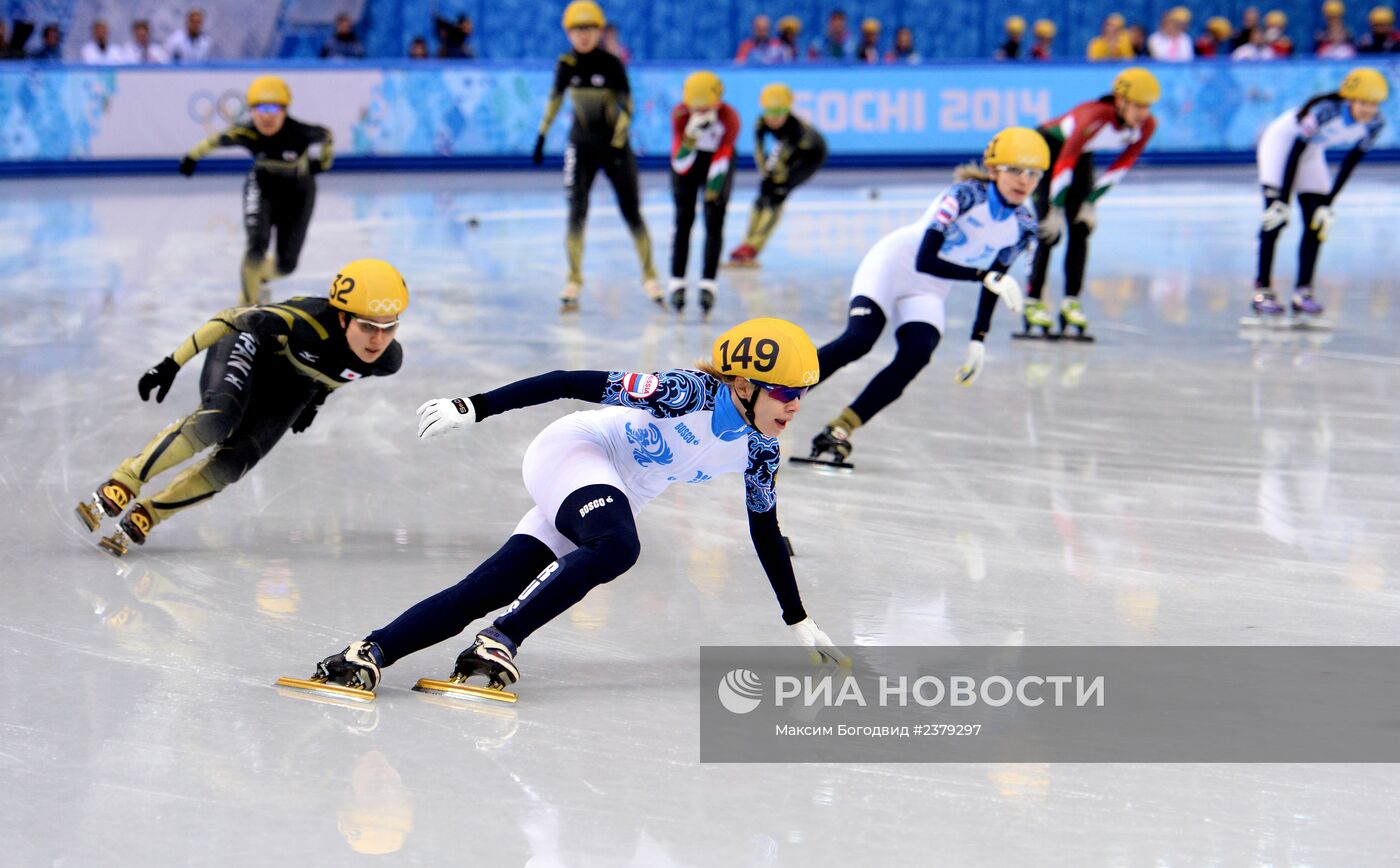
(187,166)
(538,156)
(308,413)
(158,379)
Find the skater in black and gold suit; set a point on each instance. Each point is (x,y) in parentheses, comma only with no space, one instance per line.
(598,141)
(280,190)
(267,369)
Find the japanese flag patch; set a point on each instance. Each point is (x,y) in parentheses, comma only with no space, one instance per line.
(348,374)
(640,385)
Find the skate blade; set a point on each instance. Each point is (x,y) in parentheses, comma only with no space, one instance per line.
(834,463)
(325,688)
(112,546)
(1307,324)
(1031,336)
(464,691)
(750,264)
(88,516)
(1257,322)
(1079,338)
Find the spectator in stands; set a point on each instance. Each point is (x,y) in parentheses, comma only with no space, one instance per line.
(1217,38)
(868,51)
(12,47)
(837,43)
(1249,22)
(191,45)
(1171,43)
(1112,43)
(1137,38)
(789,27)
(1333,17)
(1334,43)
(418,49)
(903,51)
(612,43)
(4,44)
(1275,27)
(52,46)
(140,50)
(99,51)
(760,47)
(1044,31)
(1382,38)
(344,42)
(454,38)
(1011,48)
(1257,48)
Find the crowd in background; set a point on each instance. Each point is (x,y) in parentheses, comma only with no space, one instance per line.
(189,44)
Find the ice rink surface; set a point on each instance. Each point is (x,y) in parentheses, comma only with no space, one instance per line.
(1173,484)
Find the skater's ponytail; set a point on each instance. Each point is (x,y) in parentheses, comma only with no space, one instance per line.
(972,171)
(704,367)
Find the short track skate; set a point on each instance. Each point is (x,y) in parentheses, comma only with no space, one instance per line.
(324,688)
(460,689)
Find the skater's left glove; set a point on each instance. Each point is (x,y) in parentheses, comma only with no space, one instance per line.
(809,635)
(308,413)
(440,415)
(1051,226)
(158,379)
(976,354)
(1088,217)
(698,123)
(1008,288)
(1322,221)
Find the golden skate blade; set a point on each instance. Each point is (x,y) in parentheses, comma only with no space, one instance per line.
(326,689)
(88,516)
(465,691)
(112,546)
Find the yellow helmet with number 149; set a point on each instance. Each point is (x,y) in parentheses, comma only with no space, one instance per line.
(767,350)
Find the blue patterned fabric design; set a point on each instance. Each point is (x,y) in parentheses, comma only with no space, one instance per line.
(678,392)
(761,477)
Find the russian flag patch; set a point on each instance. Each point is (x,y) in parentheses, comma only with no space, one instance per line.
(947,210)
(640,385)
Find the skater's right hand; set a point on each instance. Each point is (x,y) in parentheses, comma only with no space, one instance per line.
(1051,226)
(1275,216)
(809,635)
(158,379)
(698,123)
(538,156)
(1008,288)
(976,354)
(440,415)
(187,166)
(1322,221)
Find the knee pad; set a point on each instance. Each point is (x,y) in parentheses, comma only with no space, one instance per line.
(213,422)
(598,519)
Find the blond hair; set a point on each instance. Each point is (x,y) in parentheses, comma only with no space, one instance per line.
(705,367)
(972,171)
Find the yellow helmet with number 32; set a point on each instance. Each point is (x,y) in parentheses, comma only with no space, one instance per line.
(767,350)
(369,288)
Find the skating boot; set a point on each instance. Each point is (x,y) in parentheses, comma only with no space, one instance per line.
(1036,316)
(1268,313)
(107,501)
(834,441)
(568,299)
(492,657)
(707,297)
(1307,313)
(133,528)
(652,287)
(1072,317)
(677,294)
(743,256)
(351,674)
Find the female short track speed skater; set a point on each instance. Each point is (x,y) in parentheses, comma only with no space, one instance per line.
(280,190)
(798,151)
(973,231)
(589,475)
(267,369)
(1065,200)
(598,140)
(703,129)
(1293,158)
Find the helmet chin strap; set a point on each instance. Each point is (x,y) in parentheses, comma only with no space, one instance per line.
(749,404)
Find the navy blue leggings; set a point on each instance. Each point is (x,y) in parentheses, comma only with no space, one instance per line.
(915,343)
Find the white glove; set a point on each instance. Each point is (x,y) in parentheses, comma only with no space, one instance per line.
(809,635)
(699,122)
(1051,226)
(1088,216)
(976,353)
(441,415)
(1006,286)
(1322,221)
(1275,216)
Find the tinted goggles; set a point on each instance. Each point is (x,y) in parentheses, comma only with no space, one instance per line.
(784,394)
(386,327)
(265,108)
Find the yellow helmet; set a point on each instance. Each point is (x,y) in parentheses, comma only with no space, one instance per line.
(1116,19)
(583,13)
(870,25)
(790,23)
(775,99)
(1136,84)
(767,350)
(1219,26)
(269,89)
(702,90)
(1015,25)
(1276,18)
(1018,146)
(1334,9)
(1180,13)
(1365,84)
(1044,29)
(368,288)
(1381,15)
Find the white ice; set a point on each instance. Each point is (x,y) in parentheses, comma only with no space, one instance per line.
(1173,484)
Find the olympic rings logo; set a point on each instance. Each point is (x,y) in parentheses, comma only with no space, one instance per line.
(205,106)
(809,378)
(385,306)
